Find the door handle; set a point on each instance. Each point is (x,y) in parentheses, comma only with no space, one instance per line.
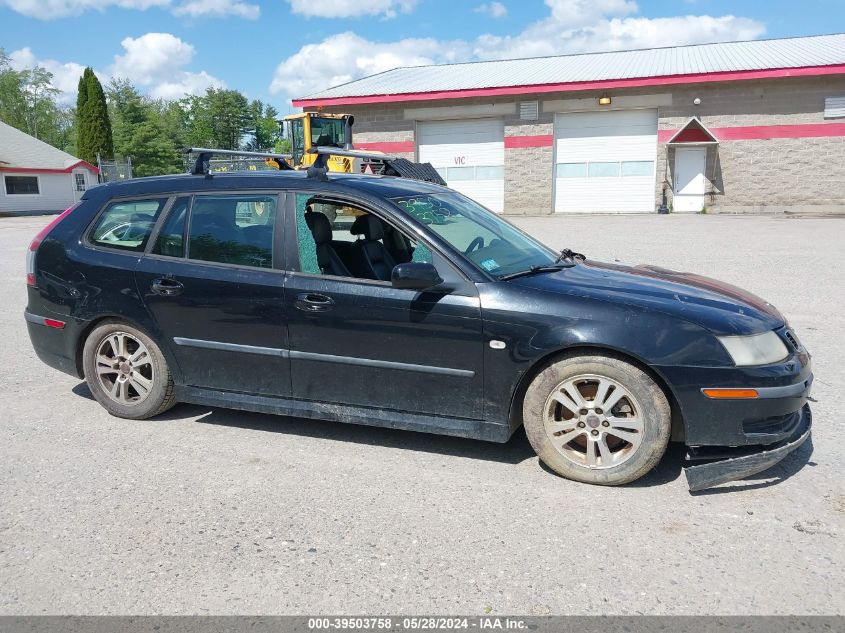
(313,302)
(166,287)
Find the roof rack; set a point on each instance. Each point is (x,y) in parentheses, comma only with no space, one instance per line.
(382,164)
(385,164)
(202,164)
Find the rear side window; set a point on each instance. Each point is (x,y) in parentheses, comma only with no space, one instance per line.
(233,230)
(127,224)
(171,237)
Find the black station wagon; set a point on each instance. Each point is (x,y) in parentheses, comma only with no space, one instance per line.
(393,302)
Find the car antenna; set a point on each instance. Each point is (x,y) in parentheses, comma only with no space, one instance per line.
(202,164)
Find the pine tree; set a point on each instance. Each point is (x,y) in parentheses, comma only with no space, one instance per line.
(82,147)
(94,134)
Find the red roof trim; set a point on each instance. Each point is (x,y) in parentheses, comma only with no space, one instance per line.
(38,170)
(740,75)
(518,142)
(765,132)
(388,147)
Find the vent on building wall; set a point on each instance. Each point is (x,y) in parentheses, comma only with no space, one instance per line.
(834,108)
(529,110)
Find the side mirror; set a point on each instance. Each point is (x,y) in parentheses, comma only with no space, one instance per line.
(415,276)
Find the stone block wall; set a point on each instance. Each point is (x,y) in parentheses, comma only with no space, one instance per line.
(745,173)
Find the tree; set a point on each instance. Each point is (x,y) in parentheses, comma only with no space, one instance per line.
(12,102)
(228,111)
(264,127)
(62,131)
(81,100)
(39,95)
(28,101)
(148,131)
(199,128)
(152,131)
(94,131)
(153,153)
(283,146)
(126,111)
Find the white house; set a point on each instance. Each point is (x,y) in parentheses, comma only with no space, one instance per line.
(38,177)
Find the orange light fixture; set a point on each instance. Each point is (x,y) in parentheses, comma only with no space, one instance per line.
(731,394)
(605,100)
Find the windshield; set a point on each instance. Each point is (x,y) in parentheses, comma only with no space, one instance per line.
(327,132)
(489,242)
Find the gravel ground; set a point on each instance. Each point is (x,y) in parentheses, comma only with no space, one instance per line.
(209,511)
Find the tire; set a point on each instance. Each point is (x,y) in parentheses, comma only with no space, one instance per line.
(601,447)
(120,362)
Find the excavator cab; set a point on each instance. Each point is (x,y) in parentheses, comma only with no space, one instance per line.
(314,129)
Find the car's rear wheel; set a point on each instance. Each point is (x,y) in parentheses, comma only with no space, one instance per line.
(126,371)
(597,419)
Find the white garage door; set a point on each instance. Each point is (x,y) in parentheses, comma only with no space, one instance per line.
(605,161)
(469,154)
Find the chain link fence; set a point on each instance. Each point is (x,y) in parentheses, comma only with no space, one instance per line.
(222,165)
(112,170)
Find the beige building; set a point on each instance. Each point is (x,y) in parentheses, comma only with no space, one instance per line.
(733,127)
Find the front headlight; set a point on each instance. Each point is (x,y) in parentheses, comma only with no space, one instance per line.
(757,349)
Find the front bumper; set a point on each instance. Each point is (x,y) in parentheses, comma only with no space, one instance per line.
(747,461)
(765,420)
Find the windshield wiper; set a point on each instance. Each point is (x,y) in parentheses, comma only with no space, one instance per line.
(566,259)
(546,268)
(571,255)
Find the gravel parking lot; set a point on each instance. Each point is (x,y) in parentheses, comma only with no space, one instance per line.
(209,511)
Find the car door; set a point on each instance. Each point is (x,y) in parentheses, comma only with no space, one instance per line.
(212,280)
(361,342)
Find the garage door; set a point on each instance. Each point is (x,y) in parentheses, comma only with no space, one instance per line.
(469,154)
(604,161)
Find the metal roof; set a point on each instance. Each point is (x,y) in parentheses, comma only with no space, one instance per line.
(798,52)
(20,150)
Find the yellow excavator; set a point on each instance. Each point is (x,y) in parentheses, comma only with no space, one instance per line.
(322,143)
(309,130)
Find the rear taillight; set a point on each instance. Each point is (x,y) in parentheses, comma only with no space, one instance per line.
(33,247)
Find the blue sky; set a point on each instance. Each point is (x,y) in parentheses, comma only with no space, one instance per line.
(277,49)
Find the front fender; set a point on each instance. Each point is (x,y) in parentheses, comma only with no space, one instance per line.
(549,323)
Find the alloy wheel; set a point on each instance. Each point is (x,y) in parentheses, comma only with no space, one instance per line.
(124,368)
(593,421)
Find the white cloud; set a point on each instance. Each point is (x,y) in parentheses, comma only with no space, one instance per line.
(572,26)
(185,83)
(65,75)
(347,56)
(52,9)
(156,61)
(218,8)
(152,56)
(351,8)
(573,13)
(493,9)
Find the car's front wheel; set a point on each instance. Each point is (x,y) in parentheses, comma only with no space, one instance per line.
(126,371)
(597,419)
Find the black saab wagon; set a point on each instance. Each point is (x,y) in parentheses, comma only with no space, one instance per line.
(398,303)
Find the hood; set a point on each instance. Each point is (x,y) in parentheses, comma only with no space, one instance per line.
(719,307)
